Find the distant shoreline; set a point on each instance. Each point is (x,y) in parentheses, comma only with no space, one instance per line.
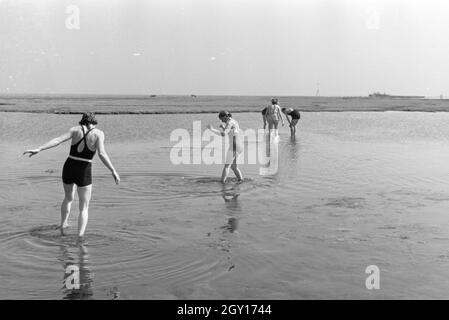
(143,105)
(209,111)
(193,96)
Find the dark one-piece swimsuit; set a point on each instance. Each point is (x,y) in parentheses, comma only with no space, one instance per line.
(75,171)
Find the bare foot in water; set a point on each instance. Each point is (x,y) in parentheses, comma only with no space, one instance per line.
(81,241)
(63,229)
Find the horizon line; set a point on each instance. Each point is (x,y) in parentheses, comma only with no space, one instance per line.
(154,95)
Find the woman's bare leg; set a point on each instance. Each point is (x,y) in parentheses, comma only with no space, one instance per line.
(271,129)
(84,194)
(294,123)
(236,170)
(225,173)
(69,195)
(276,128)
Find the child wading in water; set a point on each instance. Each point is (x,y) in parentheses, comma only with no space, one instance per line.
(230,128)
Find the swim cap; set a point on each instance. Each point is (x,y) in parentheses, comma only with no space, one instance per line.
(88,118)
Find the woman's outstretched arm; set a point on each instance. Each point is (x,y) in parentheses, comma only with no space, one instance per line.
(50,144)
(105,158)
(220,132)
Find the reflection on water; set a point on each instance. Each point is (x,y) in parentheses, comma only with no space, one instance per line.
(233,208)
(293,139)
(293,148)
(78,277)
(290,162)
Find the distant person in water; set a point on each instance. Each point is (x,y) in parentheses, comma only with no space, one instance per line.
(86,139)
(273,116)
(294,113)
(230,127)
(264,118)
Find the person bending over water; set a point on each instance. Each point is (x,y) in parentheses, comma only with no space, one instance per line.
(231,128)
(273,116)
(264,117)
(294,113)
(77,170)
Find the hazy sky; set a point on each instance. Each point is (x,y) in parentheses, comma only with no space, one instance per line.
(241,47)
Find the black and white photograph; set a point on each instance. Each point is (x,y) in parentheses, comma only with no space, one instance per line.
(222,150)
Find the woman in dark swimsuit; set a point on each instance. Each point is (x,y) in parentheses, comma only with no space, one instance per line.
(77,170)
(294,113)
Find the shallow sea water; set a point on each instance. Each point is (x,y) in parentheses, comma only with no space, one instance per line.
(354,189)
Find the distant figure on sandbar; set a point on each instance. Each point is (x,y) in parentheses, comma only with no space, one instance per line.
(273,116)
(294,113)
(86,139)
(231,128)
